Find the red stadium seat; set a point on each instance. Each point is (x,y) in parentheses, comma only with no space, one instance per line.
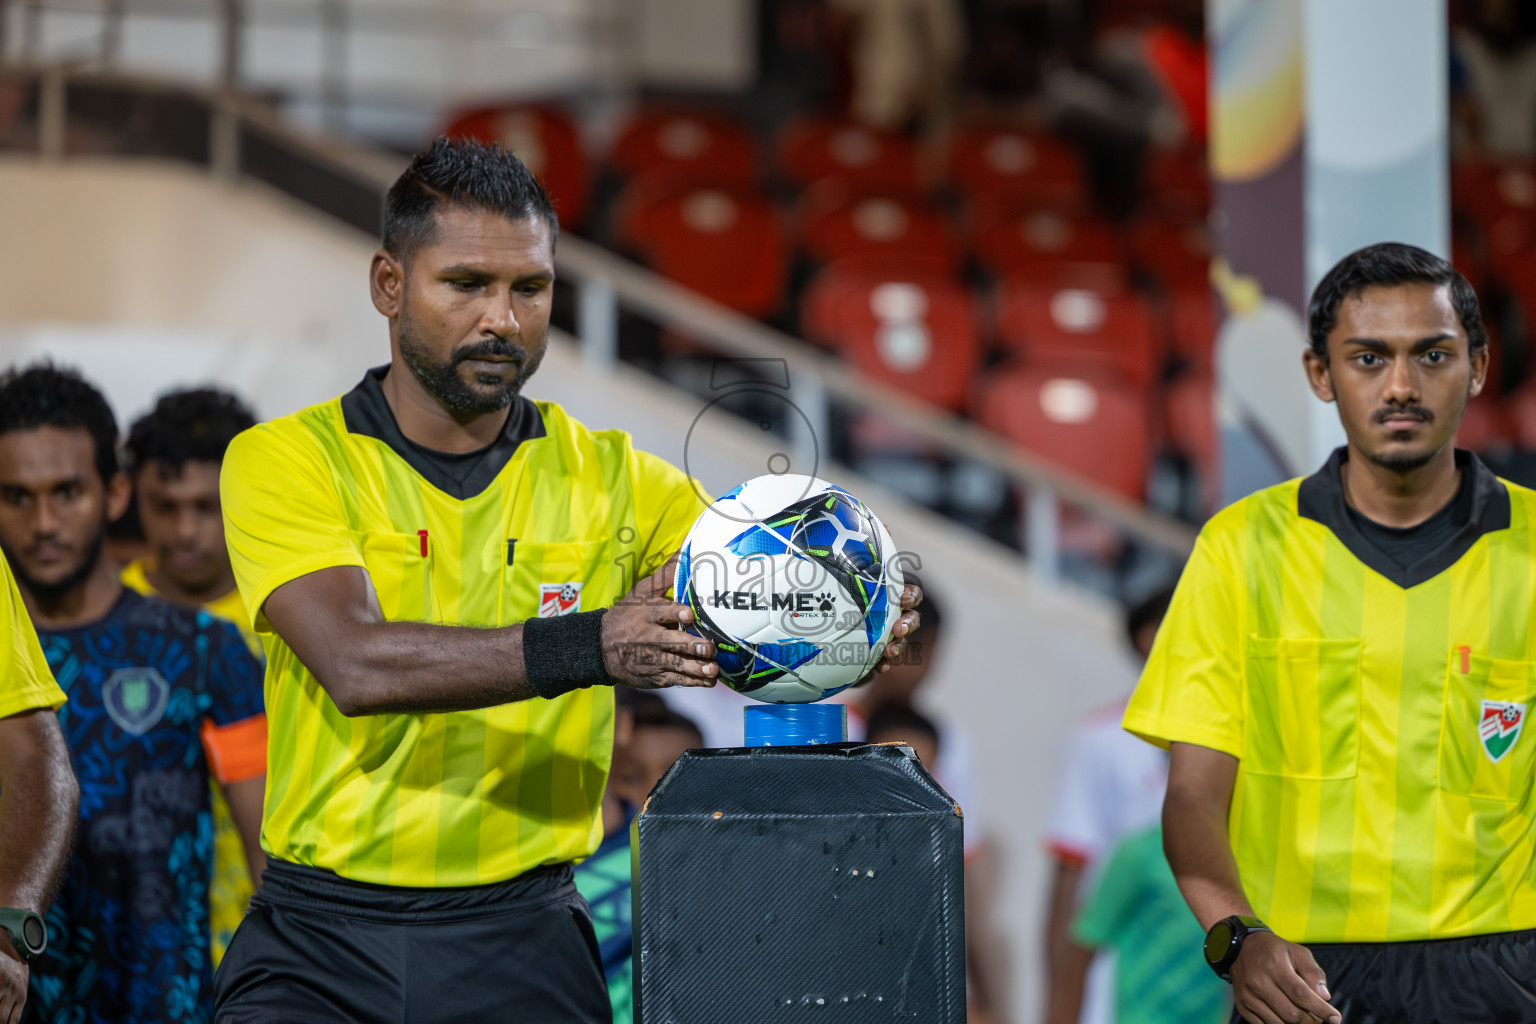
(1007,161)
(1175,250)
(916,331)
(547,141)
(711,147)
(1490,190)
(1507,239)
(836,223)
(1520,417)
(1094,426)
(1039,238)
(1077,328)
(1194,315)
(1179,180)
(1486,425)
(723,243)
(825,149)
(1189,419)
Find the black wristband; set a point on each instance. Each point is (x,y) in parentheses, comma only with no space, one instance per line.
(564,653)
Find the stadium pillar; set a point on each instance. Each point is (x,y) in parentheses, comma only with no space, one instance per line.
(1328,133)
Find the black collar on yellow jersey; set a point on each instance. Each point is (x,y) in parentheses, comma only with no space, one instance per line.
(1321,499)
(462,476)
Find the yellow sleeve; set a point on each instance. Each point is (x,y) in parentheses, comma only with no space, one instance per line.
(26,682)
(283,517)
(1191,690)
(667,502)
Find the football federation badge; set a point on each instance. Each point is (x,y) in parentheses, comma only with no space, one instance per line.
(559,599)
(136,699)
(1500,727)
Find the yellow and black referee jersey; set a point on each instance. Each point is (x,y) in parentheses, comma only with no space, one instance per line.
(1384,788)
(552,518)
(26,682)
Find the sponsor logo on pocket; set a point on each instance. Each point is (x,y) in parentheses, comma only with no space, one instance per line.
(1500,727)
(559,599)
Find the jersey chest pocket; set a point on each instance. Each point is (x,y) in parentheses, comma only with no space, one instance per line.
(559,578)
(400,566)
(1484,751)
(1303,707)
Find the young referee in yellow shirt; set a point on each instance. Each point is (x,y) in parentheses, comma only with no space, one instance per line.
(1343,680)
(443,574)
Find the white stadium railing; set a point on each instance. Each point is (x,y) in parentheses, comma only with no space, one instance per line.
(245,138)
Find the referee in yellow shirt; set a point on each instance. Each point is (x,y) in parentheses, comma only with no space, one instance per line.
(1344,678)
(444,577)
(37,815)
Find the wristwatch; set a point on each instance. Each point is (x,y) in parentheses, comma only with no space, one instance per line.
(28,933)
(1225,940)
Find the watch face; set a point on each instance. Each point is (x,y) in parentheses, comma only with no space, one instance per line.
(33,934)
(1218,941)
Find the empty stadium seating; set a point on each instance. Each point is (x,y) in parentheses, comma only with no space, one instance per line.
(547,141)
(916,331)
(1096,426)
(816,149)
(1079,329)
(836,222)
(709,146)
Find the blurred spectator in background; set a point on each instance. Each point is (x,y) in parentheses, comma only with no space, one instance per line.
(1138,85)
(174,454)
(1111,787)
(647,737)
(1008,41)
(951,762)
(1137,911)
(160,697)
(904,59)
(660,736)
(1494,78)
(902,723)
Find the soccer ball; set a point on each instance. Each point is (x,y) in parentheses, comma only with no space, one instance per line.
(795,582)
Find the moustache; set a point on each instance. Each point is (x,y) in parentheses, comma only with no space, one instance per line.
(1410,412)
(497,347)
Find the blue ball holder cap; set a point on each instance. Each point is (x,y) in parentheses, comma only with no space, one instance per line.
(795,725)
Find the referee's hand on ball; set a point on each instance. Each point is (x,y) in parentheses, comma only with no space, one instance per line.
(911,597)
(1278,982)
(642,646)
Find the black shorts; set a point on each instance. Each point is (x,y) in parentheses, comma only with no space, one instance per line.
(1483,979)
(318,948)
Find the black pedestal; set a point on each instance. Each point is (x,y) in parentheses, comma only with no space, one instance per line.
(799,884)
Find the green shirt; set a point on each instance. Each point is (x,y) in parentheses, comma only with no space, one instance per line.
(1136,910)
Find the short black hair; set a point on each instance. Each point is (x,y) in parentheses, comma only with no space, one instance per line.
(898,718)
(191,425)
(1385,265)
(656,713)
(460,172)
(45,395)
(1146,612)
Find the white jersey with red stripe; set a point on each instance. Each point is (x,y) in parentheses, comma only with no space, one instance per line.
(1111,787)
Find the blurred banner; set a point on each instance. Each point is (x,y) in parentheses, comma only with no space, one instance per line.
(1319,145)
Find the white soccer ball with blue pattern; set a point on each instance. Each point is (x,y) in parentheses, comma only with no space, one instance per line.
(797,584)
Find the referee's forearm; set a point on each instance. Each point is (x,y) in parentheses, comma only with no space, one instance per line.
(1200,854)
(38,802)
(421,668)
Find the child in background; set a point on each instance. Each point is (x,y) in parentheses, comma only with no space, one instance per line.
(647,737)
(1136,910)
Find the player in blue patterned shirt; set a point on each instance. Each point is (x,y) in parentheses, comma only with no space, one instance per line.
(159,697)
